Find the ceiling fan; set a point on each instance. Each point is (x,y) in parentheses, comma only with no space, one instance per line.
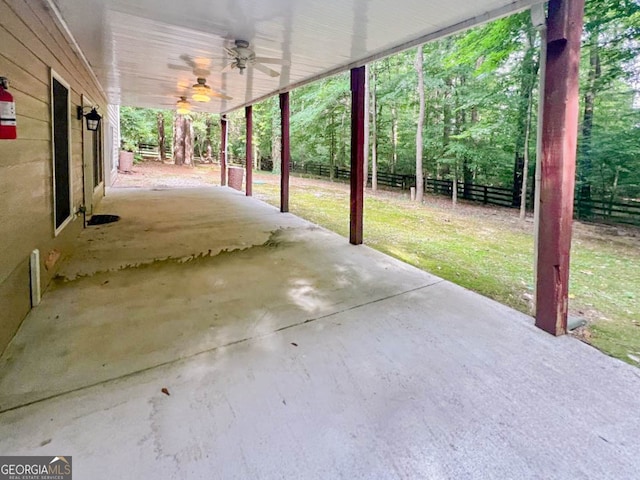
(197,66)
(182,106)
(203,92)
(243,56)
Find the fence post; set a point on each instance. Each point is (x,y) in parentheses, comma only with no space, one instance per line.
(485,200)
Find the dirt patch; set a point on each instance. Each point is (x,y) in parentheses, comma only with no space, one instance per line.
(162,176)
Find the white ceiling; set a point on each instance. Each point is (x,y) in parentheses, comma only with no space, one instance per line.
(131,43)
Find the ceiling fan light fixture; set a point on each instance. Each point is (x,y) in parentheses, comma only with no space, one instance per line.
(183,106)
(201,91)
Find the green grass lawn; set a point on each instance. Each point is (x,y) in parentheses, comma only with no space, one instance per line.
(488,251)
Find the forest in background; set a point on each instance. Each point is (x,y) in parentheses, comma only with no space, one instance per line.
(479,92)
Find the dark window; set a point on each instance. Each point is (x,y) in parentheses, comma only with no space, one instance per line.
(61,173)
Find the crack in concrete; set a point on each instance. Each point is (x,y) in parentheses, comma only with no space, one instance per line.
(186,358)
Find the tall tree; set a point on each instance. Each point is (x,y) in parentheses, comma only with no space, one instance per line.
(366,124)
(419,171)
(178,139)
(182,140)
(188,140)
(394,138)
(161,136)
(527,83)
(374,132)
(208,131)
(276,144)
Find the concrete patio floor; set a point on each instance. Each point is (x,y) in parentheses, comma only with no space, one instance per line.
(289,353)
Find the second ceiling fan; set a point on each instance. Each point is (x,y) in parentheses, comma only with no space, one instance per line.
(243,56)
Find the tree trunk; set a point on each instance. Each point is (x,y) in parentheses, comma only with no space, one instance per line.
(419,169)
(444,169)
(527,84)
(188,141)
(584,170)
(454,186)
(374,134)
(614,189)
(344,135)
(366,125)
(525,168)
(276,145)
(394,138)
(207,140)
(178,140)
(460,127)
(332,150)
(161,137)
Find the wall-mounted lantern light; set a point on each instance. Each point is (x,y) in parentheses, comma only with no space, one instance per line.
(93,118)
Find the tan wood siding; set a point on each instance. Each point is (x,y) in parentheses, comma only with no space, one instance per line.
(31,44)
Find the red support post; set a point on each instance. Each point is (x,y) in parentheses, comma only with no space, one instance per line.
(559,142)
(223,150)
(284,152)
(357,155)
(248,113)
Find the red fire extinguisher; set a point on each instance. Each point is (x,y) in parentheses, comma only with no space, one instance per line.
(8,130)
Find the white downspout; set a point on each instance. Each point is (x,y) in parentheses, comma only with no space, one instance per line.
(34,270)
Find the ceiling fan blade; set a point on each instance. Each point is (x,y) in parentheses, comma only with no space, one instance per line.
(231,52)
(267,70)
(188,60)
(201,72)
(179,67)
(275,61)
(220,95)
(228,67)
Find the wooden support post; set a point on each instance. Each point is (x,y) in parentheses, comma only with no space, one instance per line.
(357,155)
(559,141)
(223,150)
(248,113)
(284,152)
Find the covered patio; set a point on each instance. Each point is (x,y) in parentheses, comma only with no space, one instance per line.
(286,352)
(209,335)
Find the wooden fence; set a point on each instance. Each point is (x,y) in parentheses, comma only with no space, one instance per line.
(485,194)
(149,150)
(594,210)
(602,211)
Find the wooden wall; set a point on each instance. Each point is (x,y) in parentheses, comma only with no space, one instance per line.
(31,44)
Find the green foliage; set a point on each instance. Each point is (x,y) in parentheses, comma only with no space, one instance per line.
(138,125)
(206,130)
(615,146)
